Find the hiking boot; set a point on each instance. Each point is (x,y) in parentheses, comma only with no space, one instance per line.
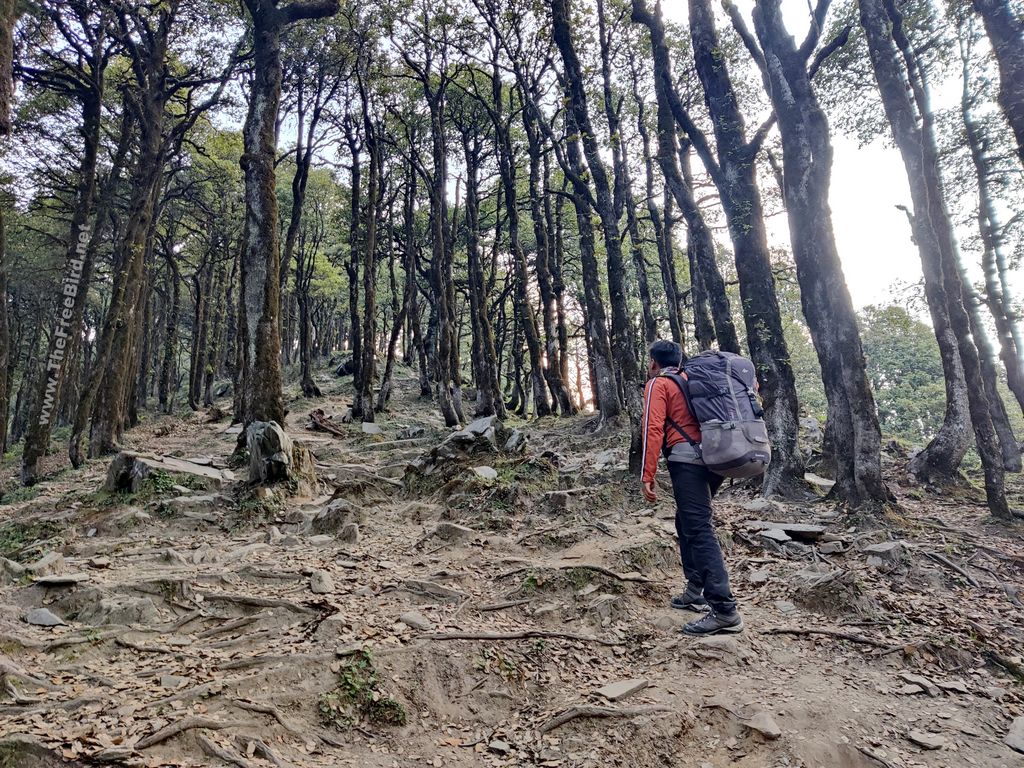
(715,623)
(689,601)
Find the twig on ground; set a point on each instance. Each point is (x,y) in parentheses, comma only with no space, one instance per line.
(503,606)
(524,635)
(943,560)
(853,638)
(584,566)
(592,711)
(186,724)
(215,750)
(260,749)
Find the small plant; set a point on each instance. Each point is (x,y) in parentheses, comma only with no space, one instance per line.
(21,541)
(357,697)
(161,482)
(20,493)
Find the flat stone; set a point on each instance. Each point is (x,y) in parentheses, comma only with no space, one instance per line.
(953,686)
(99,562)
(831,547)
(775,534)
(759,504)
(622,689)
(1015,737)
(758,577)
(42,617)
(924,682)
(817,480)
(321,540)
(889,551)
(926,740)
(62,580)
(499,746)
(453,531)
(801,531)
(48,564)
(487,473)
(516,442)
(415,620)
(172,681)
(764,724)
(320,583)
(784,606)
(119,609)
(369,428)
(433,589)
(909,690)
(724,643)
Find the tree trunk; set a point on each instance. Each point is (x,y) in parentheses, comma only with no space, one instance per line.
(933,231)
(623,345)
(825,298)
(1005,30)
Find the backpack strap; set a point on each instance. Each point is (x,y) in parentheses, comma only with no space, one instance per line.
(680,382)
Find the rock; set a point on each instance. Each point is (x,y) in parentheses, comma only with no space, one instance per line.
(172,681)
(886,553)
(323,540)
(349,534)
(799,531)
(810,430)
(182,490)
(447,531)
(487,473)
(1015,737)
(62,580)
(758,577)
(369,428)
(817,481)
(129,471)
(926,740)
(603,607)
(270,452)
(274,536)
(922,681)
(320,583)
(764,724)
(415,620)
(909,690)
(953,686)
(784,606)
(119,609)
(760,504)
(516,442)
(10,571)
(197,506)
(606,459)
(831,547)
(334,517)
(99,562)
(410,433)
(776,535)
(47,565)
(622,689)
(723,643)
(42,617)
(499,746)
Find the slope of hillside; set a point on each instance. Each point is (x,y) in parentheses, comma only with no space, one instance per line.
(489,607)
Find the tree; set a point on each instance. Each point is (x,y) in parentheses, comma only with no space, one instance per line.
(1005,30)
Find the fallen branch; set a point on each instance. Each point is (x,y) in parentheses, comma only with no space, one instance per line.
(186,724)
(591,711)
(504,605)
(524,635)
(943,560)
(230,625)
(215,750)
(597,568)
(258,602)
(831,633)
(260,749)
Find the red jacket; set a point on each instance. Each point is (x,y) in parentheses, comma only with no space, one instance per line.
(663,400)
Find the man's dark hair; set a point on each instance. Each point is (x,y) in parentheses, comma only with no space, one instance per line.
(666,353)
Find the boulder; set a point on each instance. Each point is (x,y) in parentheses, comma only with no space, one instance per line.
(43,617)
(49,564)
(349,534)
(320,583)
(516,442)
(129,471)
(334,517)
(119,609)
(273,457)
(10,571)
(1015,737)
(448,531)
(885,553)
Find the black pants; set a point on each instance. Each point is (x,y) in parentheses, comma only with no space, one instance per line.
(703,565)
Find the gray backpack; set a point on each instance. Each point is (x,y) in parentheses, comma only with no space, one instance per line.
(720,391)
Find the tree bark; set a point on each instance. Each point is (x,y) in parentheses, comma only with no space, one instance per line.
(825,298)
(933,230)
(1005,30)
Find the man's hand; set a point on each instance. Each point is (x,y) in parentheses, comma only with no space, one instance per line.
(649,493)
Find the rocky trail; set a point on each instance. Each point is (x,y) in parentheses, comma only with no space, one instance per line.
(493,598)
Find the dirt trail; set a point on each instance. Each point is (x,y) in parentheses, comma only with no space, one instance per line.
(451,619)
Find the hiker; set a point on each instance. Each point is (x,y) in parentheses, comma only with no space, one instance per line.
(666,418)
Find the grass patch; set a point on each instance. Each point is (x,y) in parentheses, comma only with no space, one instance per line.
(20,541)
(20,493)
(357,697)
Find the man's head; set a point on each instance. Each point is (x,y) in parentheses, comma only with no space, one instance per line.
(664,354)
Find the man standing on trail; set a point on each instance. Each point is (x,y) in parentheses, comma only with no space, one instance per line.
(666,416)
